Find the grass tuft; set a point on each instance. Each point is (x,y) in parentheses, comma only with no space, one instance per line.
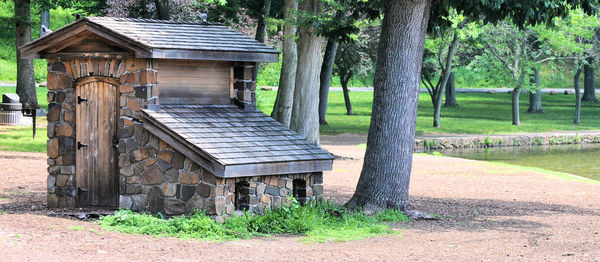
(318,222)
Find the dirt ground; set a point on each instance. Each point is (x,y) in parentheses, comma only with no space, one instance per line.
(489,213)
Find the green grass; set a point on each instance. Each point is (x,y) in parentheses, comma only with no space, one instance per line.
(21,139)
(478,113)
(550,173)
(318,222)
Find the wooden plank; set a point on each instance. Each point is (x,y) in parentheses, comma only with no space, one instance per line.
(194,100)
(214,55)
(231,81)
(281,168)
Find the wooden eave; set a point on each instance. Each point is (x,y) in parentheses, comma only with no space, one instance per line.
(41,47)
(219,169)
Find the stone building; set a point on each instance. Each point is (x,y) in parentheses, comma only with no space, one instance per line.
(161,116)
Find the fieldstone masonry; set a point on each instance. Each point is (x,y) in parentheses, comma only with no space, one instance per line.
(152,175)
(137,90)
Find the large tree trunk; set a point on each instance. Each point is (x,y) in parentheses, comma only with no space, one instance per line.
(344,81)
(44,20)
(577,118)
(25,74)
(326,73)
(162,9)
(589,88)
(535,99)
(305,112)
(282,109)
(451,92)
(386,169)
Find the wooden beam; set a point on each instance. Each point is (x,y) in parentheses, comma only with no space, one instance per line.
(278,168)
(118,55)
(213,55)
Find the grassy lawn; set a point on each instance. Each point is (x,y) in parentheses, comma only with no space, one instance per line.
(478,113)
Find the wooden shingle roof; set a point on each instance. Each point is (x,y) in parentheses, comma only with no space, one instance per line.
(233,142)
(149,38)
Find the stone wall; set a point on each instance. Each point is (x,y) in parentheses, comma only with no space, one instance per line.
(244,86)
(137,90)
(479,141)
(157,178)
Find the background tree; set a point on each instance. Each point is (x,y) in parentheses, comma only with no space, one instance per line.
(385,176)
(512,47)
(25,74)
(573,40)
(162,9)
(352,59)
(589,85)
(305,115)
(282,108)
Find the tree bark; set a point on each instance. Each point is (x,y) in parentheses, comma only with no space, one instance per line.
(451,92)
(162,9)
(44,20)
(305,110)
(344,81)
(516,93)
(437,100)
(261,27)
(589,88)
(385,175)
(282,109)
(535,99)
(326,73)
(25,74)
(577,119)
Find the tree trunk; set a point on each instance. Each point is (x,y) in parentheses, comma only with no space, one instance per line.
(577,118)
(305,110)
(589,88)
(451,92)
(162,9)
(516,93)
(439,93)
(385,175)
(25,74)
(344,81)
(261,27)
(44,20)
(535,99)
(282,109)
(326,73)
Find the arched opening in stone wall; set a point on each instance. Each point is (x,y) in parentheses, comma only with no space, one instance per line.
(299,190)
(242,195)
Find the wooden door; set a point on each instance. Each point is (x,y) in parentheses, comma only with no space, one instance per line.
(96,103)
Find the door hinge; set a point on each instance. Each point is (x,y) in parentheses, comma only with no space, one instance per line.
(80,190)
(80,145)
(79,100)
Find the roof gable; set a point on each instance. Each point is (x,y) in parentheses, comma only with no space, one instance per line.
(147,38)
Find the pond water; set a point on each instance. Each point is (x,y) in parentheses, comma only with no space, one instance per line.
(582,159)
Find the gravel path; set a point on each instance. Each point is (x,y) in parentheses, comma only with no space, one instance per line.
(490,213)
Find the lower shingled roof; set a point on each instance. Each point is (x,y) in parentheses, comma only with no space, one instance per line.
(237,142)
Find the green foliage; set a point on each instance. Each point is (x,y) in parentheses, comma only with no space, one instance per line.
(319,222)
(500,141)
(8,56)
(488,142)
(576,139)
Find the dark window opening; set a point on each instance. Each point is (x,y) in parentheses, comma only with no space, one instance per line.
(242,195)
(299,190)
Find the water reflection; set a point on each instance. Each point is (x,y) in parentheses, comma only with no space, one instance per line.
(582,160)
